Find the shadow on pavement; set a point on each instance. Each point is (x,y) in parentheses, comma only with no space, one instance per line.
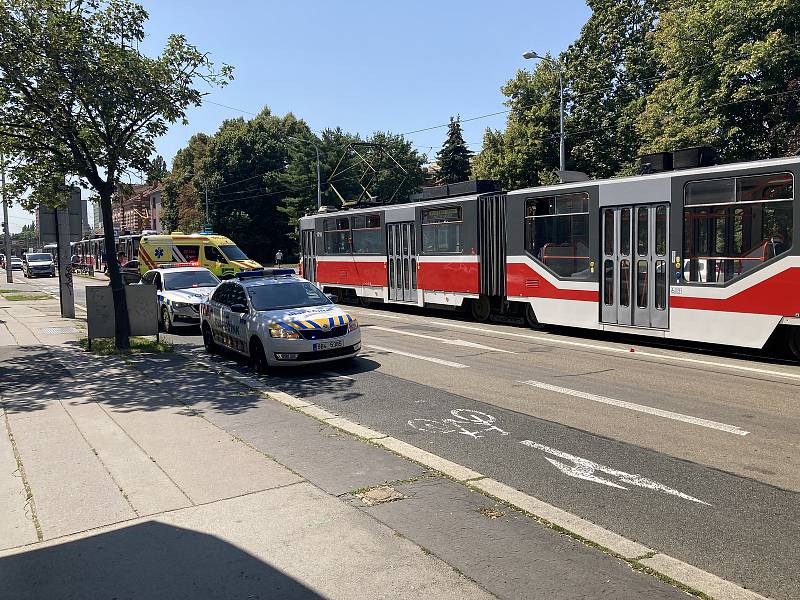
(151,561)
(30,377)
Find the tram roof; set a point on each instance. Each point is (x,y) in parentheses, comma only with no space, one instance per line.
(561,187)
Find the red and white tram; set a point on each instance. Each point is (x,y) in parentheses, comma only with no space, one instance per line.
(703,254)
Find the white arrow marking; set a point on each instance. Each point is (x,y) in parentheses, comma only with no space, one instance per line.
(585,469)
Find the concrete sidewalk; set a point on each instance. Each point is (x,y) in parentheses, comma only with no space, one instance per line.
(152,477)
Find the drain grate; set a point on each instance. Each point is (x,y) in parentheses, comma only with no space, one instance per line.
(58,330)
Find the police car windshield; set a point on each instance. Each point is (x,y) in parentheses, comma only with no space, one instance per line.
(189,279)
(233,252)
(277,296)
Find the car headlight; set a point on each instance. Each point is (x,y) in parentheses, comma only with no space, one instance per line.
(353,325)
(276,331)
(181,304)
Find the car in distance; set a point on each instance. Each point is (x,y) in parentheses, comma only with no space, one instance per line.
(35,264)
(276,318)
(16,263)
(181,291)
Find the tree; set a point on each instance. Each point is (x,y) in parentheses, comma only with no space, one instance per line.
(731,79)
(82,99)
(526,153)
(157,170)
(609,72)
(454,157)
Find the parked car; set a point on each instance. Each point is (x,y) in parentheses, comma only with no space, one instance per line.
(35,264)
(181,291)
(16,263)
(130,272)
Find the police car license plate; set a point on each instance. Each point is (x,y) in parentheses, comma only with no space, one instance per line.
(328,345)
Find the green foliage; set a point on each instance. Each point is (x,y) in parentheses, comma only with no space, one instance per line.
(139,345)
(525,153)
(610,71)
(731,79)
(454,157)
(77,98)
(157,170)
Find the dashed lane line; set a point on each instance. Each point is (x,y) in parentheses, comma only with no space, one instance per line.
(438,361)
(464,343)
(625,350)
(667,414)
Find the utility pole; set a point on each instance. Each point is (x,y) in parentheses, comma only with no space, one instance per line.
(6,234)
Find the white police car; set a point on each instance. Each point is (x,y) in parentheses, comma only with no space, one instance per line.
(276,318)
(181,290)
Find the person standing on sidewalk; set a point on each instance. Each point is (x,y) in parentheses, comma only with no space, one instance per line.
(278,258)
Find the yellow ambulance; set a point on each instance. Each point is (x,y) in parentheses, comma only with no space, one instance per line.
(216,253)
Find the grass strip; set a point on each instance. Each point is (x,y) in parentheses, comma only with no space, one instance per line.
(139,345)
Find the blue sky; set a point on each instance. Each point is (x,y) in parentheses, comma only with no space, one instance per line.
(363,66)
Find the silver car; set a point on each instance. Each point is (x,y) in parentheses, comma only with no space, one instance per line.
(276,318)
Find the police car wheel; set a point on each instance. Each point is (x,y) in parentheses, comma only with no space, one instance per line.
(208,340)
(257,357)
(165,322)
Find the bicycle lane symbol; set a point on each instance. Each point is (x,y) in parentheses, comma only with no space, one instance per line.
(478,423)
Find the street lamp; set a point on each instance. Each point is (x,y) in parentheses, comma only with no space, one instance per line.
(319,194)
(562,154)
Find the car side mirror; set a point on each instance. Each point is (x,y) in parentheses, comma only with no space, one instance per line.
(333,298)
(238,308)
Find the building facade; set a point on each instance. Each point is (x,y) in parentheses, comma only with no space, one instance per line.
(132,207)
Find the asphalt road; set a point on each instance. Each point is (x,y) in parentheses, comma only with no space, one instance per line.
(694,453)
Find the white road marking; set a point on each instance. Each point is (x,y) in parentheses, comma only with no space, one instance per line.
(639,407)
(625,350)
(585,469)
(438,361)
(464,343)
(463,416)
(336,375)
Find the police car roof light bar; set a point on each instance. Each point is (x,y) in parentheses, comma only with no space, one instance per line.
(254,273)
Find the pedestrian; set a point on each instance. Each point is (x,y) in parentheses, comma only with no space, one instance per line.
(121,258)
(278,258)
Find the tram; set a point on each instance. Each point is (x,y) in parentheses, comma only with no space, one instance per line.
(701,254)
(92,251)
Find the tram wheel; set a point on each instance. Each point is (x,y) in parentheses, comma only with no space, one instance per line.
(480,309)
(794,341)
(530,318)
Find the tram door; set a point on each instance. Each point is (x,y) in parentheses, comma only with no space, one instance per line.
(309,254)
(635,269)
(402,260)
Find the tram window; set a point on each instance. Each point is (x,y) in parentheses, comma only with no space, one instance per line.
(557,233)
(661,285)
(624,282)
(661,230)
(367,234)
(725,241)
(608,232)
(641,284)
(336,233)
(641,230)
(625,232)
(608,282)
(442,230)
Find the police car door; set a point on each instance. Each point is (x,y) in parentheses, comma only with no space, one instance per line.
(234,324)
(216,305)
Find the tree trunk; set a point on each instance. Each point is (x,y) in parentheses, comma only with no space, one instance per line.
(122,327)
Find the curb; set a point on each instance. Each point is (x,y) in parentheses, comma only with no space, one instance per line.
(687,576)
